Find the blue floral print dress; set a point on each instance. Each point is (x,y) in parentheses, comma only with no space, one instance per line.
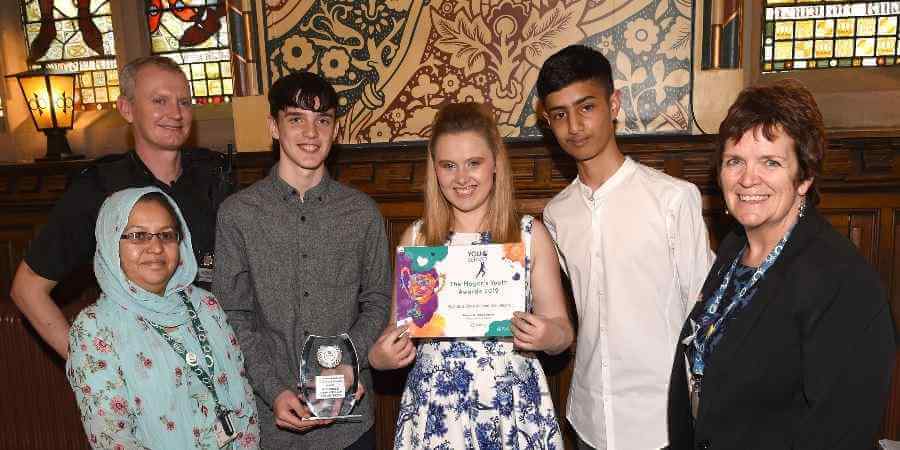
(477,394)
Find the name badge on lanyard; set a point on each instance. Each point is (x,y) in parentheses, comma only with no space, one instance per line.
(693,382)
(711,320)
(223,429)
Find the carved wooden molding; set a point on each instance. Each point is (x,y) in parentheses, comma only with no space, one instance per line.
(392,172)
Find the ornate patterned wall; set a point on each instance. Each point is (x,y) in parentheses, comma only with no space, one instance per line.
(395,62)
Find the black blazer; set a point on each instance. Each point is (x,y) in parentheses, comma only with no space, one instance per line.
(806,365)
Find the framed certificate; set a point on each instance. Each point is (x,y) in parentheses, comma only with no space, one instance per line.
(460,290)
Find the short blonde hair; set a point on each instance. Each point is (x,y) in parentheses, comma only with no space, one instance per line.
(128,75)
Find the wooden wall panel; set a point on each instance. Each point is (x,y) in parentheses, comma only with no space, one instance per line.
(861,186)
(860,227)
(14,240)
(38,407)
(892,415)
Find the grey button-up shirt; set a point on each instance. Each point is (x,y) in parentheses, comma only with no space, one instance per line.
(287,267)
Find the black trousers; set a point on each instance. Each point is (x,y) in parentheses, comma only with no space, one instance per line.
(365,442)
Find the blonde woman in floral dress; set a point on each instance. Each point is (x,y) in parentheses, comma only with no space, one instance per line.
(479,393)
(154,363)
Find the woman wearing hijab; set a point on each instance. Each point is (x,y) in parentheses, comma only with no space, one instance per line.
(154,363)
(791,344)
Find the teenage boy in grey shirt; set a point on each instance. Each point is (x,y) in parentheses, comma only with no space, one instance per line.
(298,253)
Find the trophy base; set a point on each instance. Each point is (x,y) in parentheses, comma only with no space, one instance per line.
(348,418)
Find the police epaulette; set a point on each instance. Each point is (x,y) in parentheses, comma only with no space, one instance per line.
(112,172)
(102,162)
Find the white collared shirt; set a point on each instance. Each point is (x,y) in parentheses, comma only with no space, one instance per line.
(637,252)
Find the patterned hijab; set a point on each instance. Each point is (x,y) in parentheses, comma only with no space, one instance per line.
(135,341)
(167,310)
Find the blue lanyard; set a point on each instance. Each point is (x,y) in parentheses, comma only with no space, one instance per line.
(706,327)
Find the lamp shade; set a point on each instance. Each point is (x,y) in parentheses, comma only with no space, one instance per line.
(50,96)
(51,102)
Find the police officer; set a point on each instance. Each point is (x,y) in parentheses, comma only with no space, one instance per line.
(156,101)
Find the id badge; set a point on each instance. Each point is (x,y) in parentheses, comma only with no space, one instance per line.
(695,401)
(205,268)
(224,429)
(693,388)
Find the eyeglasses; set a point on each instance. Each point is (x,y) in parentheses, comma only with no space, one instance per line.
(144,237)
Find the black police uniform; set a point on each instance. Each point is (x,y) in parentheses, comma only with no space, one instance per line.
(67,241)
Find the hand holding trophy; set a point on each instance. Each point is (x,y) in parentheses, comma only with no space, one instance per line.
(329,376)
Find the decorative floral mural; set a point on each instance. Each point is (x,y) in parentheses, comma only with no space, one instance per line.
(395,62)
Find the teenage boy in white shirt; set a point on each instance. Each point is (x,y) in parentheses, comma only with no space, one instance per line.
(634,245)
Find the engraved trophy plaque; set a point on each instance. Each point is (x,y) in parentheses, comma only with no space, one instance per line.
(329,376)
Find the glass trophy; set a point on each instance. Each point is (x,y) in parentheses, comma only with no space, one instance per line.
(329,376)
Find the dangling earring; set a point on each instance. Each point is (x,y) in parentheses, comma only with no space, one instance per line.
(727,213)
(802,208)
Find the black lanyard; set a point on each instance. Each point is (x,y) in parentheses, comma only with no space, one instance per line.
(190,358)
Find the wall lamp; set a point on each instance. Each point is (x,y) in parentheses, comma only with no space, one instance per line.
(51,101)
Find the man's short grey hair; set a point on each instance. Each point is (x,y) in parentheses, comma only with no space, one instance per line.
(130,71)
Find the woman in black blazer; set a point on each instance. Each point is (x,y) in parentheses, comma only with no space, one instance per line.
(791,343)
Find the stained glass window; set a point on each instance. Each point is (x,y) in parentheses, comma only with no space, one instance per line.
(74,36)
(802,34)
(195,34)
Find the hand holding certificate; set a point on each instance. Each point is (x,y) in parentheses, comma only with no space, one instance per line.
(460,291)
